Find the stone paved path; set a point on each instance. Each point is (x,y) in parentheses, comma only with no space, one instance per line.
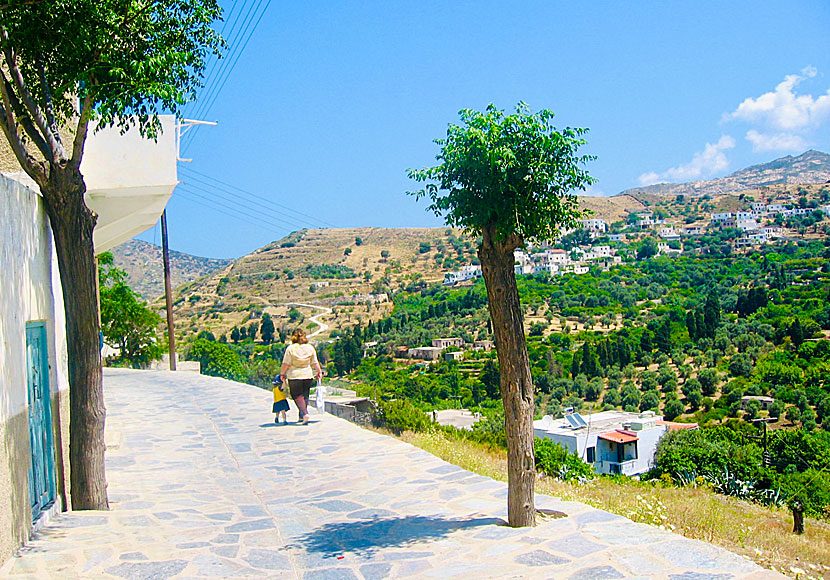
(204,485)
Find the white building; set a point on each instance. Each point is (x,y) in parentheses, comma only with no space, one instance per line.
(595,226)
(616,237)
(759,207)
(722,217)
(467,272)
(425,352)
(692,231)
(613,442)
(666,250)
(771,231)
(668,233)
(445,342)
(129,181)
(746,225)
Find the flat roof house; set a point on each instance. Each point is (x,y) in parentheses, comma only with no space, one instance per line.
(613,442)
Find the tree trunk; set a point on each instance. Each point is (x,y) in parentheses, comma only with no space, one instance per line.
(798,519)
(72,224)
(517,395)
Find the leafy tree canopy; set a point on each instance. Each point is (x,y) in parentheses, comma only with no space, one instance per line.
(126,321)
(514,174)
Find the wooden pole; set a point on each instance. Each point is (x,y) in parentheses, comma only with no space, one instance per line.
(168,293)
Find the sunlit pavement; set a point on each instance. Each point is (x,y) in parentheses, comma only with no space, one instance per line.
(203,484)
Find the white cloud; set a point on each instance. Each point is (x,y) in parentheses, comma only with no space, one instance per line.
(704,163)
(784,111)
(763,142)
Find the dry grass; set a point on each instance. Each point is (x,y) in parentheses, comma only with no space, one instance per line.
(762,534)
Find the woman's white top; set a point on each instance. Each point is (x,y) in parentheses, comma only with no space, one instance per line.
(300,358)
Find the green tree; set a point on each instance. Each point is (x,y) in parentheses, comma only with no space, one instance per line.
(796,332)
(650,401)
(126,322)
(235,336)
(266,329)
(711,314)
(691,325)
(508,179)
(709,381)
(64,65)
(662,337)
(673,408)
(490,378)
(217,360)
(647,249)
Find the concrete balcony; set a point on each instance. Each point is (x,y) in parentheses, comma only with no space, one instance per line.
(129,180)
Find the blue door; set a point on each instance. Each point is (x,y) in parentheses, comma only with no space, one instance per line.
(42,467)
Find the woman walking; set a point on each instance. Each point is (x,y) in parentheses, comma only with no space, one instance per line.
(300,367)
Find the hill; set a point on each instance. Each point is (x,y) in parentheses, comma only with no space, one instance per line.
(145,274)
(349,270)
(809,167)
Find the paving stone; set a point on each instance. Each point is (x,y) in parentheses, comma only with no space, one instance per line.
(338,505)
(250,526)
(148,570)
(268,559)
(699,576)
(407,555)
(412,568)
(575,545)
(371,513)
(330,574)
(192,545)
(442,469)
(597,573)
(698,555)
(134,556)
(540,558)
(375,571)
(253,511)
(229,551)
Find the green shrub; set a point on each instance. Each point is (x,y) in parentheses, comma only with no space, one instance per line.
(401,415)
(810,488)
(217,360)
(556,461)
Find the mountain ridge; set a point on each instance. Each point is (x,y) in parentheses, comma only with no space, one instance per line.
(812,166)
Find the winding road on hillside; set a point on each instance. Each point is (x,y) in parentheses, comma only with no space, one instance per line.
(316,318)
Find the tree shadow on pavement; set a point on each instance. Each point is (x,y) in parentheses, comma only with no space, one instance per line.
(364,537)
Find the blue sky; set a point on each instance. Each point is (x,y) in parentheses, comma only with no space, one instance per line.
(331,102)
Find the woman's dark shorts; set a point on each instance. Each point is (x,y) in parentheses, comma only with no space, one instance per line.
(300,387)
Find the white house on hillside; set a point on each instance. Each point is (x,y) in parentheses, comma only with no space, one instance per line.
(613,442)
(129,181)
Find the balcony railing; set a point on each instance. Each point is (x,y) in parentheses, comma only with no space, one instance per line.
(619,468)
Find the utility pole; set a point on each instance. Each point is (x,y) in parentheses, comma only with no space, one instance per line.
(765,457)
(168,293)
(182,127)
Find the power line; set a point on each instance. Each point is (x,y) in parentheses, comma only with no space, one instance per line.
(216,205)
(257,210)
(238,189)
(213,95)
(219,62)
(215,61)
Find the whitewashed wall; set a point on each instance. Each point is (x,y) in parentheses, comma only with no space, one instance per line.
(30,290)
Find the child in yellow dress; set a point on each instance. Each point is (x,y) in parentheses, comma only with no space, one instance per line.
(280,401)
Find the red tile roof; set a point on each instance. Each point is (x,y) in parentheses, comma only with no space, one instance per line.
(619,436)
